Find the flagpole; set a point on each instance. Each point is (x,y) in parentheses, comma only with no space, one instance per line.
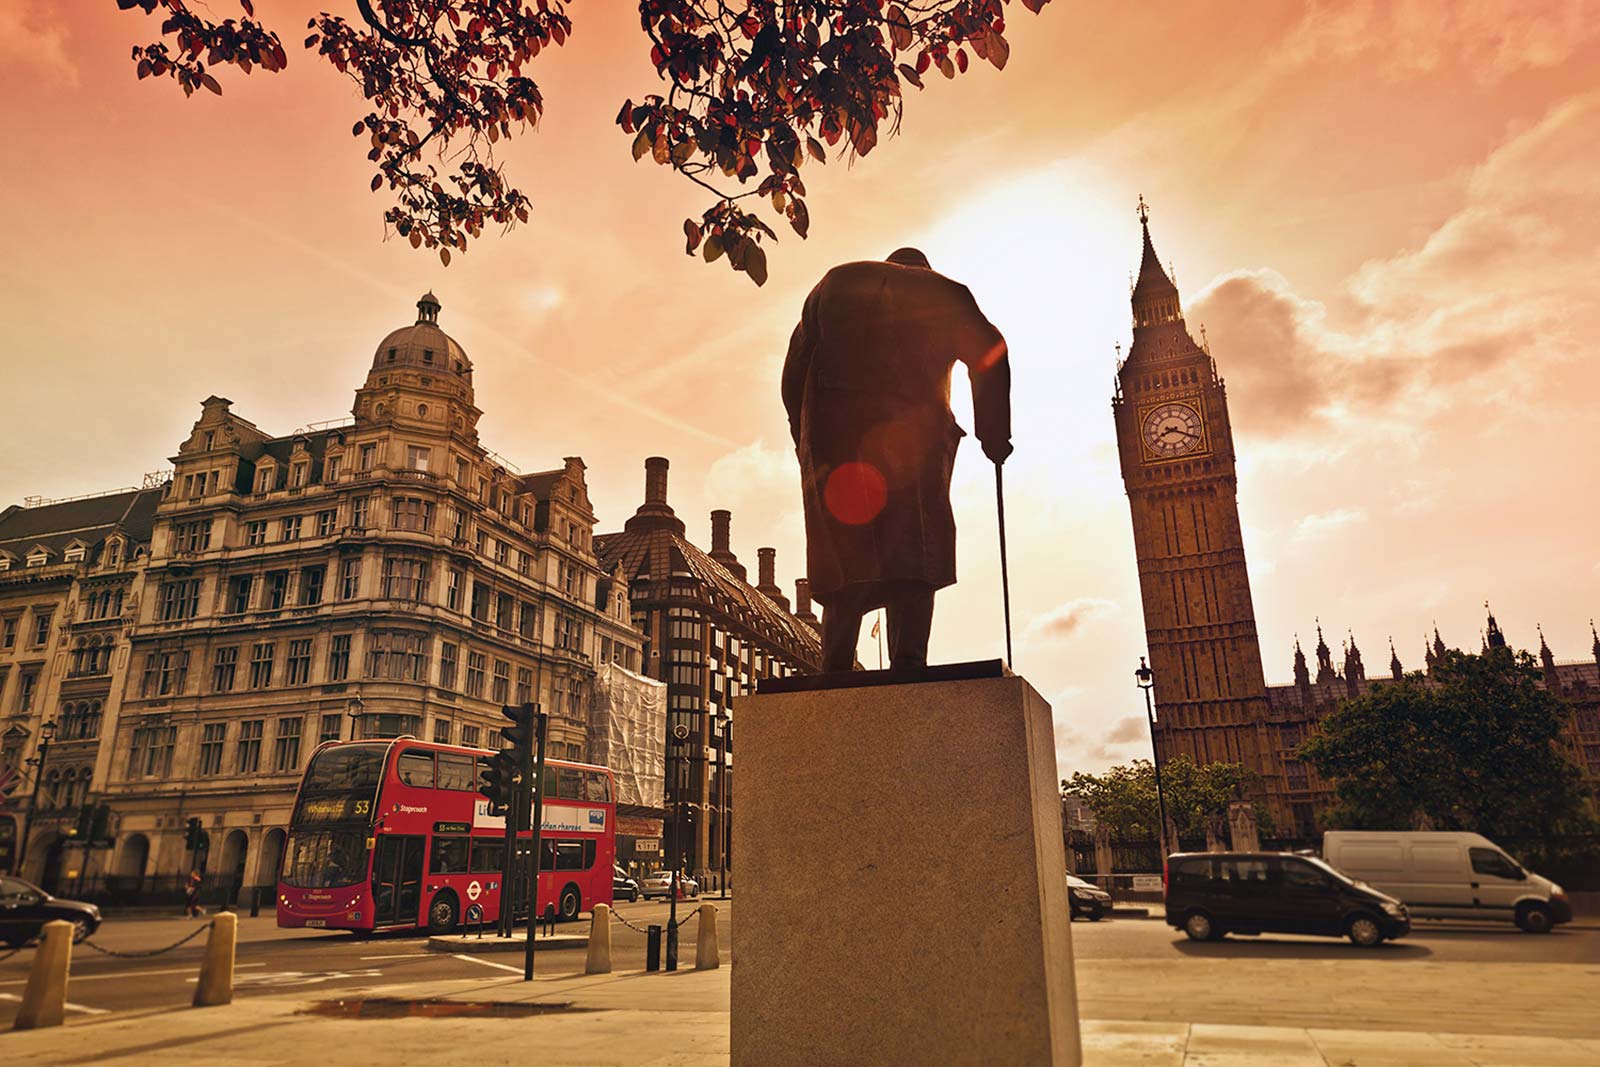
(877,628)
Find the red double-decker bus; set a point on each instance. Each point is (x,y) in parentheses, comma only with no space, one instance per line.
(393,834)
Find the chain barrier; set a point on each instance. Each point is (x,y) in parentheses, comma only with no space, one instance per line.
(7,955)
(687,917)
(623,920)
(185,939)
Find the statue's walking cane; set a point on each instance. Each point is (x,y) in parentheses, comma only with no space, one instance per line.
(1005,577)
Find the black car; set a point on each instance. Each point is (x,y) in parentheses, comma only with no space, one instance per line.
(24,908)
(1213,894)
(1088,899)
(622,886)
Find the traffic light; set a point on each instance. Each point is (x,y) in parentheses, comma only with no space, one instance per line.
(519,735)
(499,780)
(194,835)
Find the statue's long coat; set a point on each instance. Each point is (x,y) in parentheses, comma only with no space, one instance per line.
(867,388)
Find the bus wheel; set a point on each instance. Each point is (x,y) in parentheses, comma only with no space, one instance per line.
(442,913)
(571,903)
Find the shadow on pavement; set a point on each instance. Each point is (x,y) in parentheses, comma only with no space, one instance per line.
(1255,948)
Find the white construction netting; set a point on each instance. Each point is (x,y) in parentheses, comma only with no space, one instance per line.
(628,733)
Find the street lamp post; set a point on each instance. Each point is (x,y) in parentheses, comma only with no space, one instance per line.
(355,707)
(1146,678)
(723,720)
(47,731)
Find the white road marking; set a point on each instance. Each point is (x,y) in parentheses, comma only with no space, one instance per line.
(134,974)
(69,1005)
(400,956)
(487,963)
(286,978)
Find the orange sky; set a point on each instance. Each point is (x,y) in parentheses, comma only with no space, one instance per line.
(1385,214)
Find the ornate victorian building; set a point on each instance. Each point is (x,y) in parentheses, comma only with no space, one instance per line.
(387,575)
(710,636)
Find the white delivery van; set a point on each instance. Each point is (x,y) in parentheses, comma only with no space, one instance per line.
(1448,875)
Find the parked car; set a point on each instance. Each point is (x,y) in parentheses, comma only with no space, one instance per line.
(659,884)
(623,887)
(1449,875)
(1212,894)
(24,908)
(1088,899)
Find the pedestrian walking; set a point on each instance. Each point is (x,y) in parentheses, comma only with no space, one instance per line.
(191,898)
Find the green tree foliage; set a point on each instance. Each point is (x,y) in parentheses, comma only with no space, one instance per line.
(1123,799)
(751,90)
(1477,745)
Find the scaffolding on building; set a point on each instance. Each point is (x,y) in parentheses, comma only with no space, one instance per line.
(627,732)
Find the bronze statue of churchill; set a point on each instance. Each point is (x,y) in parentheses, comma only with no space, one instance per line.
(867,388)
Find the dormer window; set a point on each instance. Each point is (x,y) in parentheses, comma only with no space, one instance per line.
(74,554)
(330,467)
(39,558)
(392,355)
(113,551)
(211,440)
(297,475)
(427,356)
(264,480)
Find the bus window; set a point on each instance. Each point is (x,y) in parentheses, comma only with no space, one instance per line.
(455,771)
(486,856)
(549,782)
(588,854)
(569,855)
(596,787)
(416,769)
(449,856)
(570,784)
(326,859)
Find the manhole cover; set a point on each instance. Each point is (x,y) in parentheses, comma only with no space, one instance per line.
(402,1008)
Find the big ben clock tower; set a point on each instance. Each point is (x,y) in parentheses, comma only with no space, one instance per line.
(1176,446)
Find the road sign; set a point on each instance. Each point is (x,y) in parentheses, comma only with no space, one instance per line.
(1146,883)
(648,845)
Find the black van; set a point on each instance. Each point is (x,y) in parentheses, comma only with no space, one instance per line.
(1210,894)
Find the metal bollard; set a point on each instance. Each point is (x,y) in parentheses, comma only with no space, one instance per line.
(255,902)
(44,1001)
(652,948)
(216,966)
(599,959)
(706,954)
(672,946)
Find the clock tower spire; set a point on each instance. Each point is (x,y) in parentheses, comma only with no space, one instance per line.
(1175,442)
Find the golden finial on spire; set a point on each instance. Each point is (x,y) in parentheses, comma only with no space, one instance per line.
(1144,211)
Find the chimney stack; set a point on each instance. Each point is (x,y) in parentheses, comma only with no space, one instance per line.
(768,563)
(655,512)
(802,602)
(721,520)
(655,480)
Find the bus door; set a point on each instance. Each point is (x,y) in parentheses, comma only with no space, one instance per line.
(397,879)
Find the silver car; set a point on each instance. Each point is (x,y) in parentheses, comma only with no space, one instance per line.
(659,884)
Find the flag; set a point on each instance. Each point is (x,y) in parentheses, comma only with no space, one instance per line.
(9,780)
(875,624)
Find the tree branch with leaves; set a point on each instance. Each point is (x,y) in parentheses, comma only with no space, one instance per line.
(754,90)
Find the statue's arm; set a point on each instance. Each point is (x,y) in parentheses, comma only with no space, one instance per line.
(798,364)
(988,360)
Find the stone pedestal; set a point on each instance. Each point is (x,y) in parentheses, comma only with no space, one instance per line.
(902,879)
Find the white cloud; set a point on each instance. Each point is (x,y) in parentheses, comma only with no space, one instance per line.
(1064,620)
(26,42)
(1314,526)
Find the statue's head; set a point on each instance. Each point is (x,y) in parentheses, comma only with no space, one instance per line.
(909,257)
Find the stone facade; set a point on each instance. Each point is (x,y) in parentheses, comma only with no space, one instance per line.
(384,576)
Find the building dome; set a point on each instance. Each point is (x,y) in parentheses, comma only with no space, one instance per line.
(423,345)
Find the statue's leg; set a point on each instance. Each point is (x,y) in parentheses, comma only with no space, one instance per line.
(910,612)
(841,628)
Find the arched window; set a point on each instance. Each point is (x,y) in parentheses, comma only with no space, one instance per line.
(49,793)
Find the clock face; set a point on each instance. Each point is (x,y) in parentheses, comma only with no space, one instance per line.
(1172,430)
